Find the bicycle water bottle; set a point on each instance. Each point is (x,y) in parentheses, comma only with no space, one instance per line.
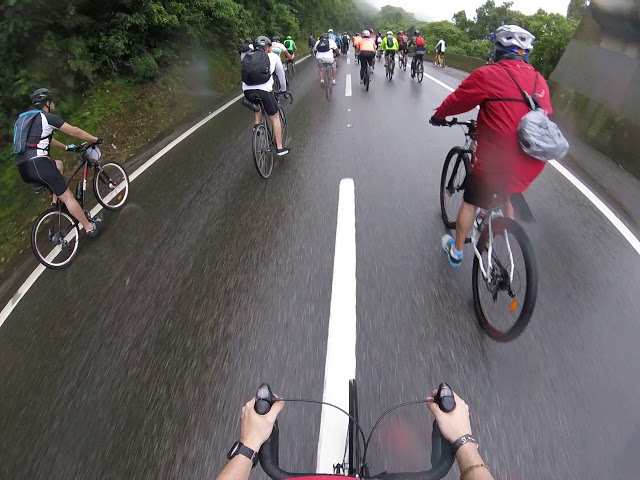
(79,192)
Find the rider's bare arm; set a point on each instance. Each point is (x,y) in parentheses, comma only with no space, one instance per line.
(56,144)
(254,431)
(77,133)
(454,425)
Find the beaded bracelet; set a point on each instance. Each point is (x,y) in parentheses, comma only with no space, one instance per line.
(471,468)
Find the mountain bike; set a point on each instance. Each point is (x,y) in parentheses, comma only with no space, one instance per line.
(291,67)
(354,461)
(403,60)
(494,239)
(263,142)
(367,77)
(440,60)
(55,235)
(417,68)
(328,80)
(390,67)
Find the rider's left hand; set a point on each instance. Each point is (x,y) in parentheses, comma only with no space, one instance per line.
(437,121)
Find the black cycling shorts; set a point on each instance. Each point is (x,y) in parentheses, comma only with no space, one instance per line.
(268,100)
(481,194)
(43,171)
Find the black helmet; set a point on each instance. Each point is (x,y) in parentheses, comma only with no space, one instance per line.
(275,38)
(41,96)
(262,42)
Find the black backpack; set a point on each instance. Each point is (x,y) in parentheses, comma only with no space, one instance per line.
(323,45)
(256,68)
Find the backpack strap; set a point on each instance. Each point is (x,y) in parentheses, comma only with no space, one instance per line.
(527,99)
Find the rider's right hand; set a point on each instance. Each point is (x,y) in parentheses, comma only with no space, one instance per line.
(256,428)
(452,425)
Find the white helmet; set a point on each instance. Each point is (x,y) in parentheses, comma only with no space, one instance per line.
(389,32)
(330,30)
(513,36)
(365,33)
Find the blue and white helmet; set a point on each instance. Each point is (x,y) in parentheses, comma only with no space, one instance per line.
(513,38)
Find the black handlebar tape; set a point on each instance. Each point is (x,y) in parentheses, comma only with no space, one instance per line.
(445,398)
(264,399)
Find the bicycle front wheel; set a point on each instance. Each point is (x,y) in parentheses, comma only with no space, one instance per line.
(283,122)
(111,185)
(262,156)
(55,238)
(455,170)
(504,301)
(353,434)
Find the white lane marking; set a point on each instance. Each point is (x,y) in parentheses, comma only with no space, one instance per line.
(340,366)
(348,61)
(24,288)
(599,204)
(593,198)
(347,86)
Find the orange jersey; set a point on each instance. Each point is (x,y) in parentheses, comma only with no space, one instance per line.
(367,45)
(357,41)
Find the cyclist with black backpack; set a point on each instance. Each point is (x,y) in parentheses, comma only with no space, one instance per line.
(324,50)
(32,140)
(258,68)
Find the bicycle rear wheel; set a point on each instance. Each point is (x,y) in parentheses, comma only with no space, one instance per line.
(353,434)
(504,306)
(262,156)
(455,170)
(54,238)
(420,71)
(111,185)
(367,78)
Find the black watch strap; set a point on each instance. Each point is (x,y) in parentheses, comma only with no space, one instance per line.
(240,448)
(463,440)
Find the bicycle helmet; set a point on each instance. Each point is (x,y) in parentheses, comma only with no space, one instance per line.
(513,38)
(365,33)
(262,42)
(288,37)
(417,32)
(275,38)
(390,33)
(330,30)
(41,96)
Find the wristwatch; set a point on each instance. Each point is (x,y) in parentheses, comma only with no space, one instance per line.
(463,440)
(240,448)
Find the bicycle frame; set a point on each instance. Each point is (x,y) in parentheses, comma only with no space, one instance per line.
(487,222)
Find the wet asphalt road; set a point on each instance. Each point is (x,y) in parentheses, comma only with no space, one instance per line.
(134,362)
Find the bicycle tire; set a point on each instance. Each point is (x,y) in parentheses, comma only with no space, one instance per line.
(103,176)
(262,157)
(420,71)
(283,122)
(38,247)
(531,293)
(354,454)
(390,73)
(449,217)
(367,78)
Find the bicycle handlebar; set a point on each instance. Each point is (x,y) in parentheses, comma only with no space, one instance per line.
(455,121)
(442,456)
(285,95)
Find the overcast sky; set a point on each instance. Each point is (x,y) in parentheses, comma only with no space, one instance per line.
(444,10)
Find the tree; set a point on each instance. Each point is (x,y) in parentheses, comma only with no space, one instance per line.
(576,9)
(489,17)
(461,21)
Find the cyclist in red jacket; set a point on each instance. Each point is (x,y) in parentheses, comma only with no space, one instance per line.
(501,167)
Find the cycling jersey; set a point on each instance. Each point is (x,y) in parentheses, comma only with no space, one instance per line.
(277,48)
(367,45)
(290,45)
(499,157)
(441,46)
(39,136)
(385,44)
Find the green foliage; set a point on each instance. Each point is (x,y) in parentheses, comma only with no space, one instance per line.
(576,9)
